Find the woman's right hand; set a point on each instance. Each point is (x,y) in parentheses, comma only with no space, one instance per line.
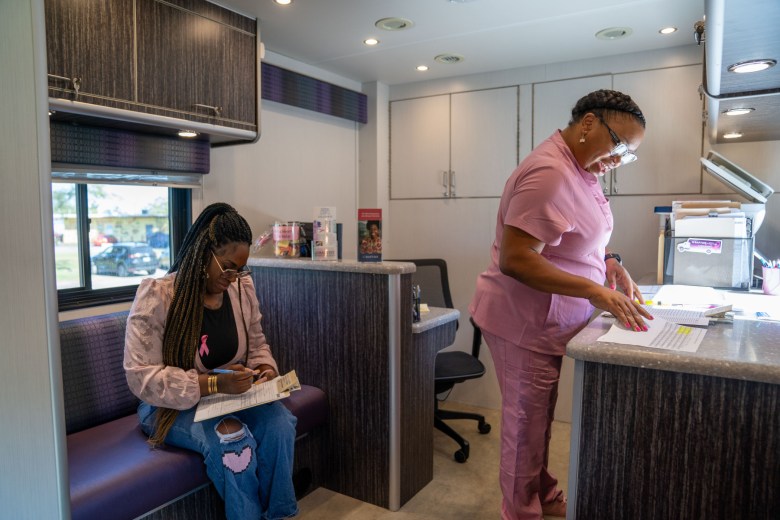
(628,312)
(236,383)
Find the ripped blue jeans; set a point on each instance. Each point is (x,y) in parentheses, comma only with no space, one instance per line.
(251,468)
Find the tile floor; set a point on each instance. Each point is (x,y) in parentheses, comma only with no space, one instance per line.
(468,491)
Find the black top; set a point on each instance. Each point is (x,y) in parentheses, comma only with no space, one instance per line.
(218,335)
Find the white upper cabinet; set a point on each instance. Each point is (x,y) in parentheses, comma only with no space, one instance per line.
(420,148)
(453,145)
(553,102)
(484,141)
(669,154)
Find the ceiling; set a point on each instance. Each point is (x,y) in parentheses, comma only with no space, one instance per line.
(489,34)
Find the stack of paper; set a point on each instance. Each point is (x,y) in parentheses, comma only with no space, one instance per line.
(709,219)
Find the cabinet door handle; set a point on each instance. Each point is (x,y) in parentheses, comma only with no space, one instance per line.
(75,83)
(452,183)
(445,183)
(614,181)
(217,110)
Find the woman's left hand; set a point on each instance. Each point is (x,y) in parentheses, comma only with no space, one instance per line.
(264,373)
(617,276)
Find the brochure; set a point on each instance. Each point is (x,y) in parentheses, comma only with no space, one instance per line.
(370,235)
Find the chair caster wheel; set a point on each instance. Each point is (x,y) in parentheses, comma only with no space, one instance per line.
(461,456)
(483,428)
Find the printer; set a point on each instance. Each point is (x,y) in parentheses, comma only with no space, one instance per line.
(711,242)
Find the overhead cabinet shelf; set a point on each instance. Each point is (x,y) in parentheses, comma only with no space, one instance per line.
(737,31)
(170,63)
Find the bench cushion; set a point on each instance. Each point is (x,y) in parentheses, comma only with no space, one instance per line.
(115,474)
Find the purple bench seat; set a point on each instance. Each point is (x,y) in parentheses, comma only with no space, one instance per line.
(113,471)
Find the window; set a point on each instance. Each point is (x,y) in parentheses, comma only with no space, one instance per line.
(108,237)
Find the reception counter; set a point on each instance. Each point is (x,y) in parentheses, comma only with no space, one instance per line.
(667,434)
(346,327)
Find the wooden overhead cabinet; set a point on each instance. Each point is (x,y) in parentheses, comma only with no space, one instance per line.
(182,59)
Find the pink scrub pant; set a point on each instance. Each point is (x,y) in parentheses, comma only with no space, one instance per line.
(529,391)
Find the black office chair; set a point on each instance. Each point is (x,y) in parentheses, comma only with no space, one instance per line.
(451,367)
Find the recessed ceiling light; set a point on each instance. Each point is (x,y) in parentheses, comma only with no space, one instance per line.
(283,2)
(422,68)
(752,66)
(449,58)
(614,33)
(394,24)
(668,30)
(738,111)
(370,41)
(188,133)
(732,135)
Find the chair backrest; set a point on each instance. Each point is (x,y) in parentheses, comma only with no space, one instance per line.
(432,277)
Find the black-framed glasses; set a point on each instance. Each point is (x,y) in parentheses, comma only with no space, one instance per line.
(232,273)
(620,149)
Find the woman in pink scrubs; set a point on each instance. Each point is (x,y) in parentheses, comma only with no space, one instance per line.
(549,262)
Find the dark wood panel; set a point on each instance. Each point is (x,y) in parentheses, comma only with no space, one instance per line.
(658,444)
(332,328)
(93,40)
(185,59)
(418,361)
(217,13)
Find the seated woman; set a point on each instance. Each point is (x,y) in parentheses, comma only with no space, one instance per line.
(204,315)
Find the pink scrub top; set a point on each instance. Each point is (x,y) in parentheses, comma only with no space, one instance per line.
(550,197)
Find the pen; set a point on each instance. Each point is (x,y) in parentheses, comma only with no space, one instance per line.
(223,371)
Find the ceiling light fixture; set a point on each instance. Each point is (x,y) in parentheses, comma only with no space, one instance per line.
(738,111)
(752,65)
(370,41)
(422,68)
(394,24)
(188,133)
(668,30)
(732,135)
(614,33)
(283,2)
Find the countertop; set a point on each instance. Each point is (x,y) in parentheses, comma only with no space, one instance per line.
(745,349)
(435,317)
(350,266)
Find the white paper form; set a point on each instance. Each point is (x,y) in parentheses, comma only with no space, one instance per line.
(660,334)
(221,404)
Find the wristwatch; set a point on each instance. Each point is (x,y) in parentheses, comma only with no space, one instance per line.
(615,256)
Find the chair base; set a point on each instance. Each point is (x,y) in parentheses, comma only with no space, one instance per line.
(439,416)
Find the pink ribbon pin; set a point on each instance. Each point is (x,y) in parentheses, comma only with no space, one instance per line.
(204,349)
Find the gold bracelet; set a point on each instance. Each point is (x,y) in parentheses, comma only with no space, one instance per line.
(212,384)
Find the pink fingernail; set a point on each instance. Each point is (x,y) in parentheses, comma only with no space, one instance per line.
(644,328)
(628,326)
(637,328)
(612,287)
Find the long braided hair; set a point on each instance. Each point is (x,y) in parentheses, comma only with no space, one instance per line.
(217,225)
(608,104)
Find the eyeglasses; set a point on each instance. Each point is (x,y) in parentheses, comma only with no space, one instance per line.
(231,273)
(620,149)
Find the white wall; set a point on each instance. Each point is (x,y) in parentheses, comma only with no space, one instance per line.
(462,230)
(303,159)
(32,452)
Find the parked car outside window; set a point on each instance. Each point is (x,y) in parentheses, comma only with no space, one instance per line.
(126,258)
(160,242)
(102,240)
